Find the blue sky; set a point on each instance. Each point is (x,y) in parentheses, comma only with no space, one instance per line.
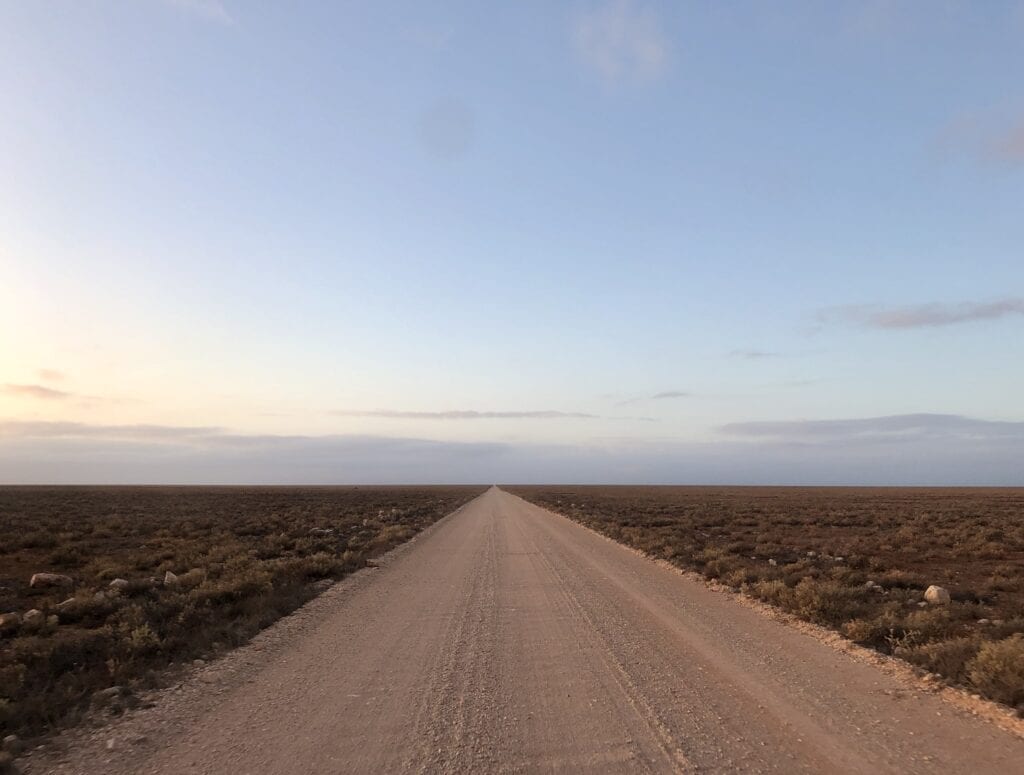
(591,241)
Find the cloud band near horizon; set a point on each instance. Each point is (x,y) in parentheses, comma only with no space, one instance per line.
(919,449)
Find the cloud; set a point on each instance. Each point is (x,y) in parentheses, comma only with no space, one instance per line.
(464,414)
(35,391)
(620,40)
(211,10)
(670,394)
(893,428)
(753,354)
(662,396)
(1010,145)
(992,137)
(77,430)
(51,375)
(798,452)
(924,315)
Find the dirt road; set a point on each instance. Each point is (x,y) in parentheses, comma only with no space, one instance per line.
(509,639)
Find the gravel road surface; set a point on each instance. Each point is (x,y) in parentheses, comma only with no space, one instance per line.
(509,639)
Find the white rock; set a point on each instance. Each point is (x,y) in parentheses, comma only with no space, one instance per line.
(34,618)
(170,579)
(50,580)
(773,563)
(937,595)
(119,584)
(13,744)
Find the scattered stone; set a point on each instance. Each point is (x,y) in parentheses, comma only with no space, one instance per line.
(937,595)
(99,597)
(812,554)
(111,693)
(840,559)
(119,585)
(13,745)
(34,619)
(869,584)
(111,744)
(321,531)
(983,622)
(922,604)
(50,580)
(115,700)
(52,620)
(10,623)
(773,563)
(198,662)
(170,579)
(65,604)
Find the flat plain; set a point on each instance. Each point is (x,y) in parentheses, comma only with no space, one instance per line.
(857,560)
(508,639)
(239,559)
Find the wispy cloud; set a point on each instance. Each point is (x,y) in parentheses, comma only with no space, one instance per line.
(993,137)
(77,430)
(664,395)
(36,391)
(465,414)
(754,354)
(892,428)
(620,40)
(923,315)
(670,394)
(1010,145)
(51,375)
(211,10)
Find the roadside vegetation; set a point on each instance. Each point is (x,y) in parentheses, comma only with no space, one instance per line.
(859,561)
(142,578)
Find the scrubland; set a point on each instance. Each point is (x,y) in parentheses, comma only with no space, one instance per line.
(195,571)
(852,559)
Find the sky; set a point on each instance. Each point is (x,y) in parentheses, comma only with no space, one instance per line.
(606,241)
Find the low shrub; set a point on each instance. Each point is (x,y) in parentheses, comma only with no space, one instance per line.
(998,670)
